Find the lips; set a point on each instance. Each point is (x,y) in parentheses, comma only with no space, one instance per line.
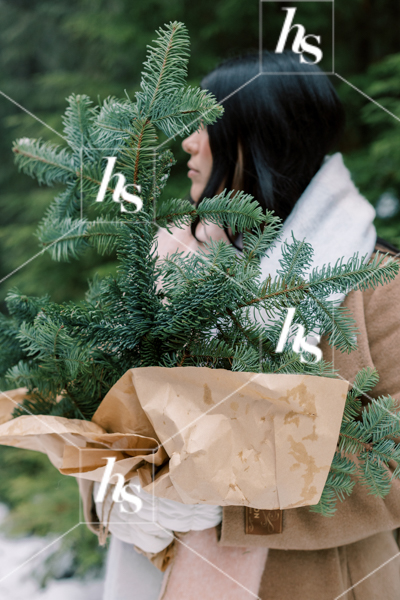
(192,171)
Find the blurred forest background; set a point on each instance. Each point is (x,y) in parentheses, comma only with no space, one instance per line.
(49,50)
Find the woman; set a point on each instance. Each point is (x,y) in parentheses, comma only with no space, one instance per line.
(272,142)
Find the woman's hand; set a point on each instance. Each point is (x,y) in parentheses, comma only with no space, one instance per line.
(182,240)
(151,527)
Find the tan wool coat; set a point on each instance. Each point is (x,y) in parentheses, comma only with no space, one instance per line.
(355,554)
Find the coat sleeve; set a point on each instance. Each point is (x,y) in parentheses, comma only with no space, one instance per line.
(361,515)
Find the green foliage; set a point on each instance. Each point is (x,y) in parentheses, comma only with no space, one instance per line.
(366,445)
(381,148)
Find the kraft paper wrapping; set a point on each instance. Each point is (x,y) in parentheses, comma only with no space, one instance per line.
(228,438)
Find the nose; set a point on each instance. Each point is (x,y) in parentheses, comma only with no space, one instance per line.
(190,144)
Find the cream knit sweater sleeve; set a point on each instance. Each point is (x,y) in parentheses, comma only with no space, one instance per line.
(151,527)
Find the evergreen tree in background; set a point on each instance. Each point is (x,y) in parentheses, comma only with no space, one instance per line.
(208,308)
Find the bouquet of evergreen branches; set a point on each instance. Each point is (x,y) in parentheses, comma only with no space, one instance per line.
(208,308)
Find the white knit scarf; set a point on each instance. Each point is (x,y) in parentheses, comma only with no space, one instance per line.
(332,216)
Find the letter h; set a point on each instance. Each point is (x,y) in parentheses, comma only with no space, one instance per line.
(287,28)
(106,480)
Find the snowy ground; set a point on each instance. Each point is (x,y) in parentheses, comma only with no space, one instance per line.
(17,565)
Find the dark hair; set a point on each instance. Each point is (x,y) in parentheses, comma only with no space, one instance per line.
(284,125)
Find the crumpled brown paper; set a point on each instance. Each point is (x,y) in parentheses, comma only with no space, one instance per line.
(228,438)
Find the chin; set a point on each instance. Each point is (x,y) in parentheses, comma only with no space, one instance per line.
(195,193)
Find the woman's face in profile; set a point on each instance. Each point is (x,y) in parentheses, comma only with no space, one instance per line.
(200,163)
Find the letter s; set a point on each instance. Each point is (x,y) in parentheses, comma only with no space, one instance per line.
(132,498)
(311,349)
(317,52)
(136,200)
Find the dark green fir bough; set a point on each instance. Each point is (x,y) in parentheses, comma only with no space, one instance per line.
(209,308)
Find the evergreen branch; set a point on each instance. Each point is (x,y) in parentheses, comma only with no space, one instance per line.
(64,239)
(375,477)
(165,69)
(356,444)
(185,111)
(45,161)
(113,126)
(141,152)
(355,274)
(66,204)
(68,239)
(296,258)
(78,121)
(257,242)
(276,290)
(365,381)
(176,211)
(236,210)
(342,327)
